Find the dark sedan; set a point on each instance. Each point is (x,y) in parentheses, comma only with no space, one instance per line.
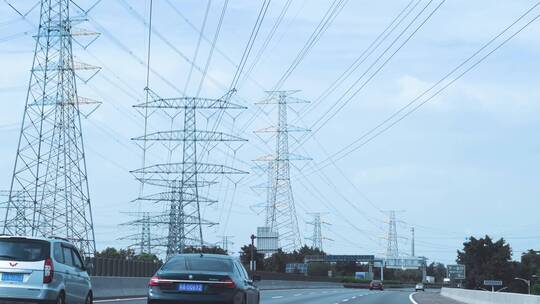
(202,278)
(376,285)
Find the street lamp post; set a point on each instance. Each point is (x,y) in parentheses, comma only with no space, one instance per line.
(528,282)
(253,262)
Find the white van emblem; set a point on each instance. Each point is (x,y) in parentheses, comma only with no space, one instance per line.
(191,277)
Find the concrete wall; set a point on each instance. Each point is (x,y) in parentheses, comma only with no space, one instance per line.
(274,284)
(487,297)
(119,287)
(122,287)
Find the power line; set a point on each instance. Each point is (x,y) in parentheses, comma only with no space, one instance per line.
(249,46)
(213,46)
(395,118)
(201,34)
(344,100)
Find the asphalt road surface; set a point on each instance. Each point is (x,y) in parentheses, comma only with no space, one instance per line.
(315,296)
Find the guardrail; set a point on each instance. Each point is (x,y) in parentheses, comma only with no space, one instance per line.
(487,297)
(129,287)
(104,267)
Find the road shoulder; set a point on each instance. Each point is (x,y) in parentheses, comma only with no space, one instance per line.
(431,298)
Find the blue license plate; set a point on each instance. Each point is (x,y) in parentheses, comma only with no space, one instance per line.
(12,277)
(189,287)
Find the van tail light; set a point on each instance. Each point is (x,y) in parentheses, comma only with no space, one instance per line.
(48,271)
(157,281)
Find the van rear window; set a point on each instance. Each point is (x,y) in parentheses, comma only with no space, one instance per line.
(24,250)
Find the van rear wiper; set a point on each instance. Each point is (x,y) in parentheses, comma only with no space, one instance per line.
(9,257)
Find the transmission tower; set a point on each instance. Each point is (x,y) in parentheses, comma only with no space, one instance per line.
(226,242)
(392,251)
(280,208)
(182,177)
(49,193)
(317,235)
(143,238)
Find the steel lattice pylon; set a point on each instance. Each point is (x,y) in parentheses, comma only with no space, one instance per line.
(281,214)
(392,247)
(180,183)
(142,240)
(317,235)
(49,193)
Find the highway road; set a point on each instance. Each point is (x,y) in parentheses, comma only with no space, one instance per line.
(315,296)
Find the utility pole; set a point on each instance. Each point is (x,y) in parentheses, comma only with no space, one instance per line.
(412,242)
(49,193)
(281,214)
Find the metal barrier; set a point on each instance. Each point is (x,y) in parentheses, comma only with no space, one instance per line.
(104,267)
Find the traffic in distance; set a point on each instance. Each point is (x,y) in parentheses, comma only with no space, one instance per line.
(51,270)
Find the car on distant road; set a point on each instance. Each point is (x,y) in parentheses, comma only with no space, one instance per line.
(203,278)
(419,287)
(376,285)
(42,270)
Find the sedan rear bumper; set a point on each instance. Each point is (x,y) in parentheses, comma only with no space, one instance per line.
(158,297)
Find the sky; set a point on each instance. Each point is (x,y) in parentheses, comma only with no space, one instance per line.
(464,164)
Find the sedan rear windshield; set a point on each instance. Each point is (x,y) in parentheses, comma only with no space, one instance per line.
(24,250)
(198,264)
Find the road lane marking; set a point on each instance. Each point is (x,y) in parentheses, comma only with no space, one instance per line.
(297,295)
(353,297)
(277,297)
(119,300)
(345,300)
(411,297)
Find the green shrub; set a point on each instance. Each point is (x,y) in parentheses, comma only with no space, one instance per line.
(535,289)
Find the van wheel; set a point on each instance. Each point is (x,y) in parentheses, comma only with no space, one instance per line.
(61,299)
(89,299)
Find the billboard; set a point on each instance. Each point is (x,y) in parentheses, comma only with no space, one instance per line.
(267,240)
(410,263)
(456,272)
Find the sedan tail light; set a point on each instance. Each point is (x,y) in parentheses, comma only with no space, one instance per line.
(157,281)
(48,271)
(227,283)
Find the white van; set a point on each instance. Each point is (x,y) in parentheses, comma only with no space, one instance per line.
(39,270)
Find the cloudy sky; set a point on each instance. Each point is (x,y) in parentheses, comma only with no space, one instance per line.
(466,163)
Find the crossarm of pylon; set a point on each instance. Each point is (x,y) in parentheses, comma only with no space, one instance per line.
(160,182)
(286,157)
(288,128)
(54,101)
(171,196)
(187,168)
(164,219)
(275,100)
(83,32)
(189,102)
(180,135)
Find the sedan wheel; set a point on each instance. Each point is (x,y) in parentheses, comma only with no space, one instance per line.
(89,299)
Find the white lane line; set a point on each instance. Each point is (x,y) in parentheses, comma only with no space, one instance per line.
(411,297)
(119,300)
(345,300)
(277,297)
(297,295)
(353,297)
